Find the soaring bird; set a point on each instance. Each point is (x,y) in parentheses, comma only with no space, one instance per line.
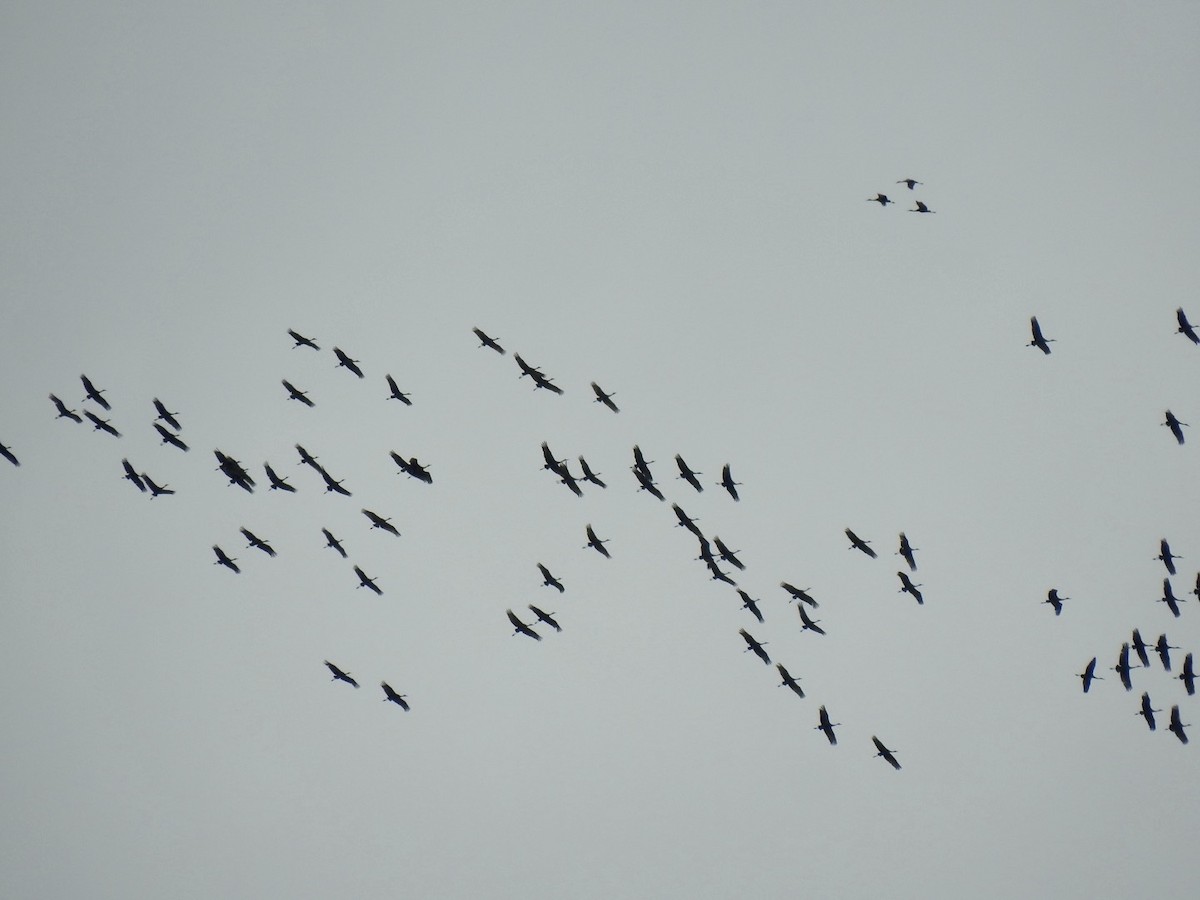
(1168,558)
(1185,327)
(730,556)
(1139,647)
(728,483)
(1088,675)
(378,521)
(520,627)
(412,468)
(1147,712)
(545,382)
(907,587)
(596,544)
(368,583)
(333,484)
(686,521)
(749,603)
(7,453)
(1169,598)
(391,695)
(827,726)
(100,424)
(549,580)
(1163,649)
(257,542)
(155,489)
(1042,343)
(132,475)
(294,393)
(1176,727)
(881,199)
(807,624)
(1123,668)
(234,471)
(1175,425)
(93,393)
(396,393)
(331,541)
(799,594)
(1188,675)
(857,543)
(606,399)
(307,458)
(347,362)
(589,475)
(170,437)
(224,560)
(920,208)
(1056,601)
(640,463)
(756,646)
(278,483)
(911,182)
(339,675)
(165,414)
(546,617)
(63,412)
(647,483)
(302,341)
(789,681)
(687,474)
(485,341)
(526,368)
(888,755)
(906,550)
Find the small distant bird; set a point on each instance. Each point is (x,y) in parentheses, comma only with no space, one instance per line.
(808,624)
(294,393)
(1169,598)
(640,464)
(686,521)
(392,696)
(1042,343)
(1188,676)
(307,458)
(257,542)
(728,483)
(1175,425)
(888,755)
(367,582)
(789,681)
(907,550)
(907,587)
(749,603)
(1185,327)
(589,475)
(881,199)
(378,521)
(302,341)
(827,726)
(7,453)
(1147,712)
(520,627)
(224,560)
(647,483)
(63,412)
(278,483)
(606,399)
(547,383)
(485,341)
(911,182)
(170,437)
(546,617)
(132,476)
(1176,727)
(549,580)
(1168,558)
(857,543)
(799,594)
(155,489)
(100,424)
(1163,649)
(347,362)
(1123,668)
(1088,675)
(596,544)
(411,467)
(756,646)
(1056,601)
(1140,648)
(333,484)
(331,541)
(526,368)
(93,393)
(920,208)
(687,474)
(339,675)
(165,415)
(396,393)
(730,556)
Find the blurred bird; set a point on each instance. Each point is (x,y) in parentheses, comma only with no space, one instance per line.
(378,521)
(520,627)
(1089,675)
(750,604)
(131,475)
(857,543)
(331,541)
(596,544)
(485,341)
(155,490)
(339,675)
(888,755)
(1168,558)
(367,582)
(396,393)
(1169,598)
(294,393)
(307,458)
(1163,649)
(881,199)
(93,393)
(1185,327)
(606,399)
(546,617)
(911,182)
(799,594)
(789,681)
(1176,727)
(170,437)
(257,542)
(7,453)
(1175,425)
(549,580)
(728,483)
(63,412)
(907,587)
(1139,647)
(756,646)
(392,696)
(730,556)
(589,475)
(1056,601)
(101,424)
(907,550)
(1042,343)
(224,560)
(278,483)
(1188,675)
(687,474)
(1123,668)
(808,624)
(920,208)
(168,417)
(347,362)
(827,726)
(1146,712)
(302,341)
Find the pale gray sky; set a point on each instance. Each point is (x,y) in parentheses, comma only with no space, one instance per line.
(668,199)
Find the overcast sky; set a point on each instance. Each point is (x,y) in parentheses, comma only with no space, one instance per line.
(669,199)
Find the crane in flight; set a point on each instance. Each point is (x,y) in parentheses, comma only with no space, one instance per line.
(1163,649)
(907,587)
(1123,668)
(728,483)
(546,617)
(368,583)
(520,627)
(166,415)
(1147,712)
(224,560)
(1176,727)
(331,541)
(7,453)
(1188,675)
(63,412)
(100,424)
(302,341)
(799,594)
(911,182)
(346,362)
(396,393)
(857,543)
(907,551)
(391,696)
(94,393)
(1175,425)
(1056,601)
(278,483)
(257,542)
(339,675)
(789,681)
(888,755)
(1088,675)
(749,603)
(807,624)
(1185,327)
(548,580)
(754,645)
(294,393)
(730,556)
(881,199)
(155,489)
(589,475)
(170,437)
(602,397)
(827,726)
(1168,558)
(378,521)
(687,474)
(485,341)
(1039,341)
(1140,648)
(596,543)
(1169,598)
(920,208)
(132,476)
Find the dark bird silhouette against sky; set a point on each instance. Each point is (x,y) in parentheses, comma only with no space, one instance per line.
(911,182)
(807,624)
(1056,601)
(170,437)
(596,544)
(302,341)
(520,627)
(100,424)
(590,476)
(857,543)
(339,675)
(7,453)
(549,580)
(1123,668)
(1039,341)
(396,393)
(63,412)
(156,490)
(1175,425)
(1188,675)
(93,393)
(1163,649)
(1088,675)
(881,199)
(730,556)
(277,483)
(888,755)
(749,603)
(165,414)
(907,551)
(294,393)
(485,341)
(602,397)
(789,681)
(368,583)
(224,560)
(546,617)
(345,361)
(1147,712)
(728,483)
(687,474)
(920,208)
(827,726)
(378,521)
(755,646)
(1169,598)
(331,541)
(802,595)
(1168,558)
(256,542)
(1177,725)
(392,697)
(1185,327)
(1139,647)
(131,475)
(907,587)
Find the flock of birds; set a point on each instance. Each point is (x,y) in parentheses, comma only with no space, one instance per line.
(911,183)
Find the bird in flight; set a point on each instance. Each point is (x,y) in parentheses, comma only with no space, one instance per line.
(93,393)
(331,541)
(396,393)
(1185,327)
(364,581)
(920,208)
(857,543)
(907,587)
(257,542)
(294,393)
(606,399)
(881,199)
(278,483)
(170,437)
(546,617)
(1056,601)
(520,627)
(302,341)
(827,726)
(224,560)
(798,594)
(911,182)
(392,696)
(63,412)
(1039,341)
(100,424)
(749,603)
(596,544)
(378,521)
(7,453)
(165,415)
(1176,727)
(155,489)
(888,755)
(1168,558)
(1147,712)
(131,475)
(339,675)
(1088,675)
(687,474)
(1188,675)
(1176,426)
(347,362)
(807,624)
(728,483)
(906,550)
(485,341)
(756,646)
(549,580)
(789,681)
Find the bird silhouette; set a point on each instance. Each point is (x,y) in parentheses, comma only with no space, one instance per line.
(1123,668)
(857,543)
(888,755)
(396,393)
(302,341)
(549,580)
(687,474)
(346,362)
(881,199)
(520,627)
(165,414)
(331,541)
(277,483)
(756,646)
(749,603)
(1039,341)
(378,521)
(367,582)
(1163,649)
(131,475)
(391,696)
(728,483)
(589,475)
(1176,727)
(907,551)
(1147,712)
(1175,425)
(63,412)
(911,182)
(827,726)
(294,393)
(485,341)
(1088,675)
(730,556)
(907,587)
(339,675)
(596,544)
(1185,327)
(93,393)
(1188,675)
(170,437)
(1056,601)
(100,424)
(1168,558)
(789,681)
(602,397)
(155,489)
(1169,598)
(7,453)
(799,594)
(920,208)
(546,617)
(224,560)
(257,542)
(808,624)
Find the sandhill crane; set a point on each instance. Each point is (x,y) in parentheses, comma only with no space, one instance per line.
(367,582)
(346,362)
(1168,558)
(1147,712)
(1123,668)
(63,412)
(378,521)
(302,341)
(728,483)
(331,541)
(717,574)
(546,617)
(827,726)
(392,696)
(224,560)
(606,399)
(485,341)
(1169,598)
(799,594)
(520,627)
(1175,425)
(907,587)
(881,199)
(294,393)
(100,424)
(565,476)
(132,476)
(1163,649)
(911,182)
(165,414)
(549,580)
(730,556)
(1042,343)
(756,646)
(339,675)
(7,453)
(640,464)
(307,458)
(1139,647)
(1188,675)
(257,542)
(1056,601)
(546,383)
(557,466)
(808,624)
(907,550)
(789,681)
(888,755)
(170,437)
(596,544)
(749,603)
(526,368)
(1088,675)
(687,474)
(278,483)
(396,393)
(921,208)
(93,393)
(647,483)
(155,489)
(1185,327)
(857,543)
(589,475)
(1176,727)
(334,484)
(412,468)
(686,521)
(234,471)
